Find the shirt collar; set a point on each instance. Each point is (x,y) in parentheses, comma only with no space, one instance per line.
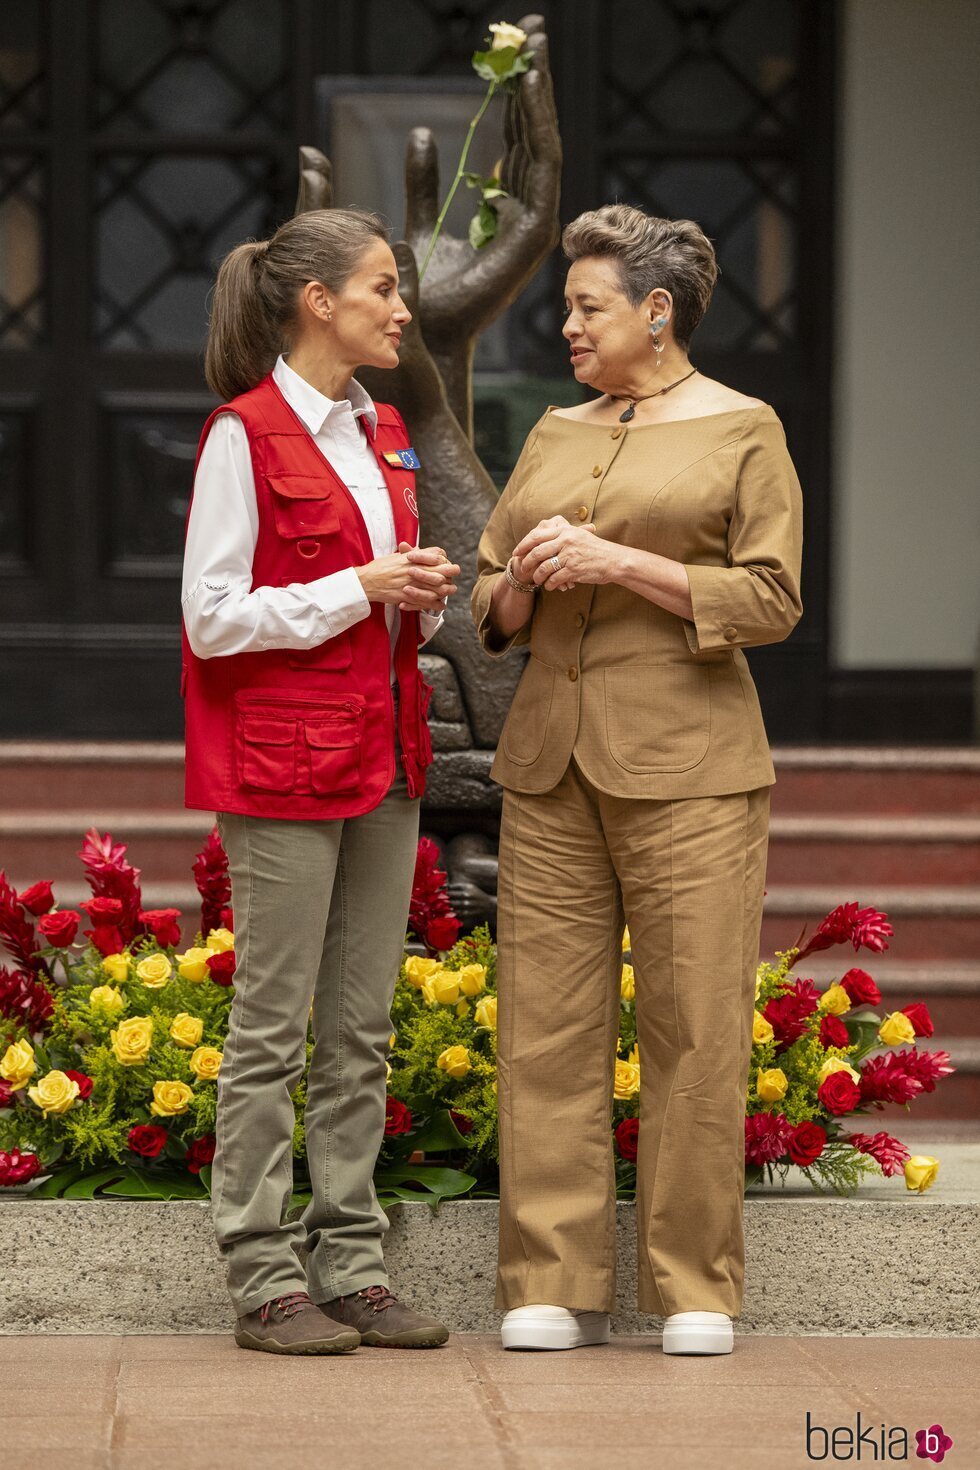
(313,407)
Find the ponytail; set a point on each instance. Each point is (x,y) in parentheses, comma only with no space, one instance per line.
(254,303)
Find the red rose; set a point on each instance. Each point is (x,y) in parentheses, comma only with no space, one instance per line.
(627,1136)
(222,967)
(84,1083)
(807,1143)
(60,928)
(464,1124)
(37,899)
(200,1152)
(6,1094)
(147,1139)
(839,1093)
(18,1168)
(103,910)
(443,932)
(861,989)
(833,1032)
(918,1014)
(162,924)
(106,938)
(398,1119)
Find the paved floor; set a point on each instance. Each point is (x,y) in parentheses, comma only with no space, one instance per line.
(158,1403)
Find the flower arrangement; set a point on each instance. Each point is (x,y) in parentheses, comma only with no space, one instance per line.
(111,1046)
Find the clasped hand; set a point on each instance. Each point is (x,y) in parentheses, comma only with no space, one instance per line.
(415,578)
(584,556)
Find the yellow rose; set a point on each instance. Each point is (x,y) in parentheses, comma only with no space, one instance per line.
(627,983)
(463,1008)
(131,1040)
(758,984)
(627,1080)
(170,1098)
(772,1084)
(117,966)
(896,1030)
(504,34)
(762,1031)
(441,988)
(205,1063)
(472,979)
(835,1001)
(219,940)
(154,971)
(455,1061)
(486,1012)
(626,939)
(55,1093)
(106,998)
(920,1172)
(836,1064)
(18,1065)
(418,969)
(193,964)
(186,1030)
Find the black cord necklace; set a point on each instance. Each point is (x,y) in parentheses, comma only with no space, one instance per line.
(628,413)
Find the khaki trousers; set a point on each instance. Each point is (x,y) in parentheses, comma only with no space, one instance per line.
(320,915)
(688,877)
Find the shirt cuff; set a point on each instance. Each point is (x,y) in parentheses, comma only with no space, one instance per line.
(429,625)
(341,599)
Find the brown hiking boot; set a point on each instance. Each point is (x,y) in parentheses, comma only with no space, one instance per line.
(293,1324)
(383,1321)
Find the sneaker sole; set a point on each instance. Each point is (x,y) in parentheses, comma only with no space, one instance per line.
(425,1338)
(545,1335)
(322,1347)
(698,1342)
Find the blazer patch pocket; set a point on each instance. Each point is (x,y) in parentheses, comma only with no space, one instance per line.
(527,724)
(658,716)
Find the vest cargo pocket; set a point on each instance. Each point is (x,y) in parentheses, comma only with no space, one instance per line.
(303,508)
(267,752)
(335,756)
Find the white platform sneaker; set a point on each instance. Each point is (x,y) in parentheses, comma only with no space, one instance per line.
(698,1333)
(553,1328)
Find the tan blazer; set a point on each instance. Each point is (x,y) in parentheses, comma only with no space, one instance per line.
(651,705)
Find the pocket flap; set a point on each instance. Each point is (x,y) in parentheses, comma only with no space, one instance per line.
(300,487)
(303,505)
(333,736)
(258,731)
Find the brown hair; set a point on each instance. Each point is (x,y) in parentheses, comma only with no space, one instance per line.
(673,255)
(253,305)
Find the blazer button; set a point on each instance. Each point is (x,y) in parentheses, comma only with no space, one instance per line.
(731,634)
(573,674)
(615,433)
(596,471)
(580,620)
(583,512)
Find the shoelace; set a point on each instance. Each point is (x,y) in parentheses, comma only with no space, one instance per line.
(379,1297)
(287,1305)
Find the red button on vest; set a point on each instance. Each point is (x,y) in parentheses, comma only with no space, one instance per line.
(307,733)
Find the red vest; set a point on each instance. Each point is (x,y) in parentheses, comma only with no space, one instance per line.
(308,733)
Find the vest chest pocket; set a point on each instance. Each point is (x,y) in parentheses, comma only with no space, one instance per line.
(304,510)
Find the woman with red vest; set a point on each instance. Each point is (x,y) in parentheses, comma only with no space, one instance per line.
(305,598)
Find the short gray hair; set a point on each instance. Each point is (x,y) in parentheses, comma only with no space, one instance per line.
(673,255)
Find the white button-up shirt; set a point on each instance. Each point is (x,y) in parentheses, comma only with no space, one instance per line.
(222,614)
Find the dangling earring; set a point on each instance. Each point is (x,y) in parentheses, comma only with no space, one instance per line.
(658,346)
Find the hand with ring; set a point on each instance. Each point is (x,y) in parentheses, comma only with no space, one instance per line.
(557,556)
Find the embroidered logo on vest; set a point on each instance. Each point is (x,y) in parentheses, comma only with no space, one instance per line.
(410,501)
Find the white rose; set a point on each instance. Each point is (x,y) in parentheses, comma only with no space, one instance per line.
(506,35)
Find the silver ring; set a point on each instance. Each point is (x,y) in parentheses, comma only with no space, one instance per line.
(556,564)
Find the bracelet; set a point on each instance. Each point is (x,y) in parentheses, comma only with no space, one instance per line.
(512,581)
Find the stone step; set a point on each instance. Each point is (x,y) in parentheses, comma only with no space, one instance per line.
(151,1268)
(931,923)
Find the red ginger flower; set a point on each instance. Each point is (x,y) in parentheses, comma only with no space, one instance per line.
(767,1137)
(17,1167)
(868,927)
(111,876)
(37,899)
(918,1014)
(430,914)
(25,999)
(927,1067)
(16,933)
(887,1151)
(788,1013)
(6,1094)
(886,1079)
(213,883)
(871,930)
(861,989)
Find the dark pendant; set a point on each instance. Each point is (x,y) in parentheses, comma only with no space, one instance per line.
(627,414)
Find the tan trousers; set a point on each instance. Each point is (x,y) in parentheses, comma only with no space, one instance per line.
(688,877)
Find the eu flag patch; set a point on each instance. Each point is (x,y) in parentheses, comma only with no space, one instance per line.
(402,459)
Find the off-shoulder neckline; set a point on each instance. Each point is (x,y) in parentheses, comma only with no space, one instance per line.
(701,418)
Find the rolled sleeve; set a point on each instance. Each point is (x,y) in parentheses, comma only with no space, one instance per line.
(755,599)
(494,552)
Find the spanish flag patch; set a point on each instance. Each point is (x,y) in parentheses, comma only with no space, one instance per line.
(402,459)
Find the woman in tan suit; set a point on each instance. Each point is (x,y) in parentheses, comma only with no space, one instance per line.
(644,539)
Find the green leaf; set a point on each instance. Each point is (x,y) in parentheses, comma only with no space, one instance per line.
(483,226)
(439,1135)
(90,1184)
(500,66)
(54,1187)
(433,1184)
(135,1184)
(205,1178)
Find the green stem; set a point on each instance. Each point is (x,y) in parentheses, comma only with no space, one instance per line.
(460,167)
